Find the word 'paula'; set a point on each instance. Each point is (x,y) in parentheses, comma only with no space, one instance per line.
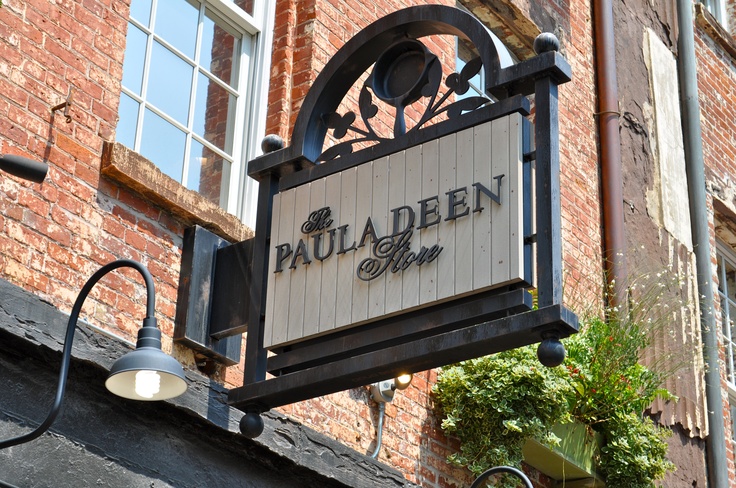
(390,252)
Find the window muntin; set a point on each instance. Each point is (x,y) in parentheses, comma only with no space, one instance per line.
(187,75)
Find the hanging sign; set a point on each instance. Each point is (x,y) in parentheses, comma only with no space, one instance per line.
(428,224)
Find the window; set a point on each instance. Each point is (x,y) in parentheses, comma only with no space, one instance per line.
(190,100)
(727,295)
(718,9)
(465,51)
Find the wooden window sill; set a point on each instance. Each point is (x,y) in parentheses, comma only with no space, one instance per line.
(714,29)
(135,172)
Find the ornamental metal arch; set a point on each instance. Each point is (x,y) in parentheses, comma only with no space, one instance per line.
(243,291)
(360,52)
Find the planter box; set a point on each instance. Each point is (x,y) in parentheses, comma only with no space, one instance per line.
(572,461)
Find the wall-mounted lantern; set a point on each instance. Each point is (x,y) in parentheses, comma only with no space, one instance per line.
(146,373)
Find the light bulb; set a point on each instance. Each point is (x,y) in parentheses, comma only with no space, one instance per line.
(147,383)
(402,381)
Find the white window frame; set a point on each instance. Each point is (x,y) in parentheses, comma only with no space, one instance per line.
(725,253)
(254,63)
(729,343)
(243,198)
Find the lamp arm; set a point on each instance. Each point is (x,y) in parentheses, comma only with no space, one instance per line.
(70,329)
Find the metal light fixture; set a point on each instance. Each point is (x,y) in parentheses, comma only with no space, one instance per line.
(382,393)
(25,168)
(146,373)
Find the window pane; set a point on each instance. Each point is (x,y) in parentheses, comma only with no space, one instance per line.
(218,50)
(246,5)
(163,144)
(213,117)
(125,132)
(206,172)
(176,22)
(135,53)
(730,285)
(140,10)
(170,83)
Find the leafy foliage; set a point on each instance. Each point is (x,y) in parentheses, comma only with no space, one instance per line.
(494,404)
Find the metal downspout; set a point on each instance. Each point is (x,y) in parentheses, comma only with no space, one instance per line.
(610,152)
(686,64)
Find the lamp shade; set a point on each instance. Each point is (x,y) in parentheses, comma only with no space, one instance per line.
(147,373)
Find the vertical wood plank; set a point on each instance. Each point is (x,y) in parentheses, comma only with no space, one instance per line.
(396,199)
(429,235)
(463,229)
(328,296)
(379,215)
(299,274)
(516,197)
(346,262)
(313,272)
(270,301)
(500,239)
(483,172)
(446,261)
(413,193)
(282,286)
(363,206)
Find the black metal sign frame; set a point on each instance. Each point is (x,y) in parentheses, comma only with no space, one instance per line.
(426,338)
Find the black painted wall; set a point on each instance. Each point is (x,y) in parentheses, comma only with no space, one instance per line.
(100,440)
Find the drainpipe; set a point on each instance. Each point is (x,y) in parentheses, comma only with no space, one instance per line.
(610,152)
(715,443)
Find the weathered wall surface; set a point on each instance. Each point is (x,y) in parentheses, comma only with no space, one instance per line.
(656,209)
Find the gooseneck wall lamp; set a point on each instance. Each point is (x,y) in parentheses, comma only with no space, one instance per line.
(146,373)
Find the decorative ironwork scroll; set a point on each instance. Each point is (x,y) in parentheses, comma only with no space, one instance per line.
(404,73)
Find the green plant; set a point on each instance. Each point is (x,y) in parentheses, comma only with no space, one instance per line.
(612,391)
(635,451)
(494,404)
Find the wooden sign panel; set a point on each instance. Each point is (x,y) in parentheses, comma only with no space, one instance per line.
(428,224)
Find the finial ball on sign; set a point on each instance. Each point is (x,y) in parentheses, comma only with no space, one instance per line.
(271,143)
(546,41)
(251,425)
(551,352)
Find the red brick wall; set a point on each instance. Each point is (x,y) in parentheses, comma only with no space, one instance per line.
(55,235)
(717,93)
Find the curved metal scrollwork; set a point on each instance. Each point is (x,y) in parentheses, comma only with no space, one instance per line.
(502,469)
(403,74)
